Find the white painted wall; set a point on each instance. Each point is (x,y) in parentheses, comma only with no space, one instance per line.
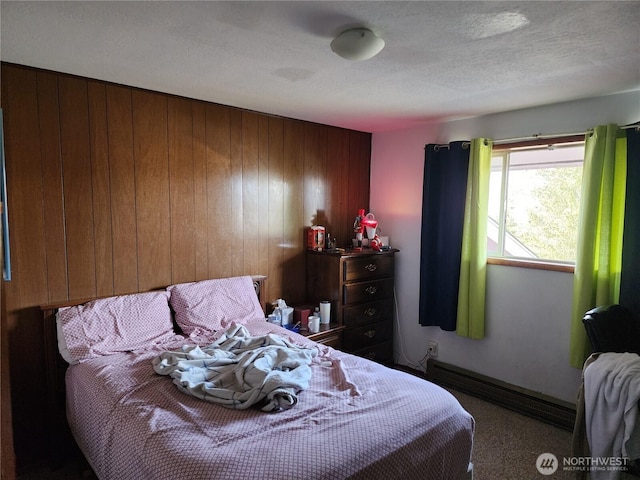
(528,311)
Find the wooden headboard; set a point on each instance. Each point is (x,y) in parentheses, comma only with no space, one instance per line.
(55,366)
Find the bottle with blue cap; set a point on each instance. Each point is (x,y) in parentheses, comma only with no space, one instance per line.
(278,313)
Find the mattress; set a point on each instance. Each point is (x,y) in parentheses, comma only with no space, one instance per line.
(358,419)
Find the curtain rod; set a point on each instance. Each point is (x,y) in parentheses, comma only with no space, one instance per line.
(540,136)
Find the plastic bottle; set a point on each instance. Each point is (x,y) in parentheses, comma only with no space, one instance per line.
(278,313)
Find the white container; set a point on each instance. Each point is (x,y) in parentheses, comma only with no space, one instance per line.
(325,312)
(314,324)
(371,232)
(287,315)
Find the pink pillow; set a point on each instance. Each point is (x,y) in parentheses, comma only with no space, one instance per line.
(210,305)
(115,324)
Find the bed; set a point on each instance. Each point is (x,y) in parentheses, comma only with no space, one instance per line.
(347,418)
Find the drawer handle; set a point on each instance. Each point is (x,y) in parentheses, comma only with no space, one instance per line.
(370,355)
(370,334)
(371,267)
(371,290)
(370,311)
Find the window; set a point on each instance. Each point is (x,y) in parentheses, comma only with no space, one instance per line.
(534,196)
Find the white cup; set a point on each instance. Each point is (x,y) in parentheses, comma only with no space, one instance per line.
(325,311)
(371,232)
(314,324)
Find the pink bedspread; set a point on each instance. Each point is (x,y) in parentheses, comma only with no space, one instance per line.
(358,420)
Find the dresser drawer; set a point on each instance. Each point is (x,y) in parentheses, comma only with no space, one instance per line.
(366,335)
(334,340)
(367,291)
(368,267)
(381,352)
(330,335)
(366,313)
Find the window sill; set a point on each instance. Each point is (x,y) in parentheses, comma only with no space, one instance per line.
(538,265)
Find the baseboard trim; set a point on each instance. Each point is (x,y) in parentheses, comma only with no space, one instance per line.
(542,407)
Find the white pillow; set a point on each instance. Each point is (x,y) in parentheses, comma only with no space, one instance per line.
(210,305)
(62,343)
(116,324)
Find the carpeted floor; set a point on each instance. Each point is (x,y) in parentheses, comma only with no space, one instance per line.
(507,444)
(506,447)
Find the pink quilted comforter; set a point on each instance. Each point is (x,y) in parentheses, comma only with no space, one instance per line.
(357,420)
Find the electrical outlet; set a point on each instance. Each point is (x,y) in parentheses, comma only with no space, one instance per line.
(432,349)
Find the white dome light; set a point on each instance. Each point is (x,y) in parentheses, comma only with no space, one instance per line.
(357,44)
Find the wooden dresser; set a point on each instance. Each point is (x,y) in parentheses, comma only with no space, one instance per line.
(360,288)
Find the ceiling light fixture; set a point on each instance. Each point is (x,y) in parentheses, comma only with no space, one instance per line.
(357,44)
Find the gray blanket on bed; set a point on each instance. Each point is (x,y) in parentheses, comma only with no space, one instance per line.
(238,370)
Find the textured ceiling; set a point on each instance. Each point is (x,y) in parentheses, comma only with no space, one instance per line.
(442,59)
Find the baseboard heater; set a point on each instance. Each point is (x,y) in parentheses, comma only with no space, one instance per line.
(542,407)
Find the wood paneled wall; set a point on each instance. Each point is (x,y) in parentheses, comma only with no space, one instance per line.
(115,190)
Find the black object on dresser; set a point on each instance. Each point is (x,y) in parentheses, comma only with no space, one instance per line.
(359,285)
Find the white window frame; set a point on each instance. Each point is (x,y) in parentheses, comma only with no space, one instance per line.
(498,257)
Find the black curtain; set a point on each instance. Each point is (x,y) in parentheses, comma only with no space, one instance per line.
(630,278)
(443,201)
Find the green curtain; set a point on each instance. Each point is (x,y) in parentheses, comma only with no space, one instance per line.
(473,261)
(600,228)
